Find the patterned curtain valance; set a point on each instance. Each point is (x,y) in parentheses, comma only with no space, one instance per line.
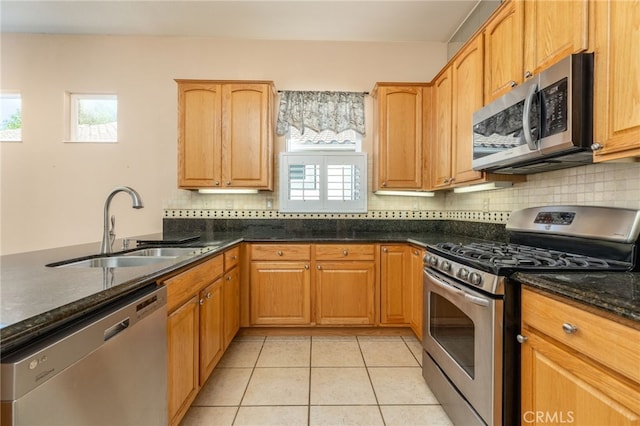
(337,111)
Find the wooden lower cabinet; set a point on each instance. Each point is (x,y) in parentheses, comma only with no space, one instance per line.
(577,377)
(345,292)
(395,290)
(280,293)
(231,302)
(183,347)
(211,328)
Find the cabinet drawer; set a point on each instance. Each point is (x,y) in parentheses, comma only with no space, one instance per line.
(345,252)
(610,343)
(280,252)
(231,258)
(185,285)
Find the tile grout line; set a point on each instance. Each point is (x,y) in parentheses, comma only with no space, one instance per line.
(253,369)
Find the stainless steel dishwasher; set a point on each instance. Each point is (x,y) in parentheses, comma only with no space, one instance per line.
(108,368)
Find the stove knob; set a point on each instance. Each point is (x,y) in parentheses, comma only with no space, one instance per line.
(463,273)
(475,278)
(446,266)
(433,261)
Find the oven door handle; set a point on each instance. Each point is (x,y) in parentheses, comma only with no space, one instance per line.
(476,300)
(445,285)
(481,301)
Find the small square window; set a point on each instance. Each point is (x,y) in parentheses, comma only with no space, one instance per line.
(93,118)
(10,117)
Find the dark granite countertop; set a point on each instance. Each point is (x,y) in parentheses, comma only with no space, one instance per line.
(613,292)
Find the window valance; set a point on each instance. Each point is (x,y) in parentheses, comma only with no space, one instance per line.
(337,111)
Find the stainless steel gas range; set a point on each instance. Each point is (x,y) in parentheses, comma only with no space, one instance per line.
(471,357)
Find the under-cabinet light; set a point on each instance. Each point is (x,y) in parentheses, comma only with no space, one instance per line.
(406,193)
(227,191)
(483,187)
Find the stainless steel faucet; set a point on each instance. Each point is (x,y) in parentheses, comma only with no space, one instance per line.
(108,232)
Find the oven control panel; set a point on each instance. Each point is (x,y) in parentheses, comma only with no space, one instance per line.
(484,280)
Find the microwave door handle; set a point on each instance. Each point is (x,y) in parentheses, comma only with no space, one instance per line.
(526,115)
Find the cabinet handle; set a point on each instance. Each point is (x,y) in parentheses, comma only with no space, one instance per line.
(345,252)
(596,146)
(569,328)
(319,267)
(384,249)
(217,183)
(228,277)
(521,339)
(280,253)
(228,183)
(384,183)
(416,252)
(528,74)
(234,257)
(513,83)
(208,295)
(306,266)
(201,301)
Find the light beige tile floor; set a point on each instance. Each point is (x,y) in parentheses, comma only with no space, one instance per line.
(319,380)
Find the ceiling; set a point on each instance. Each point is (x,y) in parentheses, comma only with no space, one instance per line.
(377,21)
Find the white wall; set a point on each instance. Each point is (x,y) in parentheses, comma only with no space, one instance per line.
(53,192)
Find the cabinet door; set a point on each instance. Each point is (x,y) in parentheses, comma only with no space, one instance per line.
(417,266)
(467,98)
(280,293)
(247,136)
(345,292)
(394,284)
(231,293)
(503,46)
(399,143)
(553,30)
(211,328)
(182,352)
(558,383)
(441,154)
(617,87)
(199,133)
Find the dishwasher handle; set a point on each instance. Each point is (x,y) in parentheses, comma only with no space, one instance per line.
(116,329)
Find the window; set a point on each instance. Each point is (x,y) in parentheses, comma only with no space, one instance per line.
(10,117)
(93,118)
(323,182)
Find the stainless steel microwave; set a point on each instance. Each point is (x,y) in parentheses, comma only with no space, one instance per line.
(544,124)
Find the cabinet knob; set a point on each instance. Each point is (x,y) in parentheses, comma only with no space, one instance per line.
(280,253)
(513,83)
(384,249)
(416,252)
(384,183)
(228,277)
(208,296)
(596,146)
(217,183)
(228,183)
(319,267)
(234,257)
(569,328)
(201,301)
(345,252)
(521,339)
(528,74)
(306,266)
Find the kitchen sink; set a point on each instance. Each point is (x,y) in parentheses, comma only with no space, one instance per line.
(163,251)
(114,262)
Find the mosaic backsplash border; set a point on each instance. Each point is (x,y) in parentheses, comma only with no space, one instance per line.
(465,216)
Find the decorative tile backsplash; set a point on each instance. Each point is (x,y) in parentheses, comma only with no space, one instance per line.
(606,184)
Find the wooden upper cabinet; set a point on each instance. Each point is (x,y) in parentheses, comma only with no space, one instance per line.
(441,133)
(503,50)
(399,140)
(225,137)
(616,43)
(553,30)
(467,98)
(247,135)
(199,138)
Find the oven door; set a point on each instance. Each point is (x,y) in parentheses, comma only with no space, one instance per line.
(463,335)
